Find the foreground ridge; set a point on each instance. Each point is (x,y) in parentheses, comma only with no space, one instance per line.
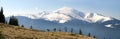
(17,32)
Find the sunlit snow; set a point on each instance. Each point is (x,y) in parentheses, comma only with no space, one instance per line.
(65,14)
(109,26)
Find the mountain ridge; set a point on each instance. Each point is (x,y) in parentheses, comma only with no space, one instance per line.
(99,25)
(65,14)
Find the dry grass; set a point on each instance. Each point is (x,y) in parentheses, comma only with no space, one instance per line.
(15,32)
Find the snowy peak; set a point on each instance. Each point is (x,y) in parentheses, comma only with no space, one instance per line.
(65,14)
(61,18)
(94,17)
(89,17)
(69,11)
(65,10)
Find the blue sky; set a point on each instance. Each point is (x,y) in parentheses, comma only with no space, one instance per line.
(104,7)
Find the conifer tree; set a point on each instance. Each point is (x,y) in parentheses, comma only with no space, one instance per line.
(48,30)
(31,27)
(13,21)
(65,29)
(71,30)
(89,35)
(80,32)
(2,17)
(54,29)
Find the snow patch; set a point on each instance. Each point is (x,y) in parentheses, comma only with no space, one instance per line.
(61,18)
(109,26)
(94,17)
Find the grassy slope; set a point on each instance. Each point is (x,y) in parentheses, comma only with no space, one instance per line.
(15,32)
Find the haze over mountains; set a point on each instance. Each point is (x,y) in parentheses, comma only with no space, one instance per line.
(94,23)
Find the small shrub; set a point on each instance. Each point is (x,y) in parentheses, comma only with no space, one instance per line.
(73,34)
(31,27)
(94,36)
(22,25)
(48,30)
(54,29)
(60,30)
(56,38)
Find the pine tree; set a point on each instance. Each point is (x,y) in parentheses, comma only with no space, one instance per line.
(80,32)
(31,27)
(54,29)
(71,30)
(59,30)
(65,29)
(89,35)
(2,17)
(48,30)
(13,21)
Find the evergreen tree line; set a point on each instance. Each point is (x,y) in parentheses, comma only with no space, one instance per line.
(12,21)
(71,30)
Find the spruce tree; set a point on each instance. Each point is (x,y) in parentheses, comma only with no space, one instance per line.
(80,32)
(2,17)
(71,30)
(13,21)
(89,35)
(48,30)
(65,29)
(31,27)
(54,29)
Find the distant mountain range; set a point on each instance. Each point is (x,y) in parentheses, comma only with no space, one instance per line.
(94,23)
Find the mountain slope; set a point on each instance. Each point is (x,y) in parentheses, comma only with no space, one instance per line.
(16,32)
(66,14)
(97,24)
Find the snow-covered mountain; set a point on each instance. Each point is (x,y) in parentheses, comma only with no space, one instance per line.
(94,23)
(65,14)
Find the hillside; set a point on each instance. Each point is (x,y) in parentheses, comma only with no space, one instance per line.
(15,32)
